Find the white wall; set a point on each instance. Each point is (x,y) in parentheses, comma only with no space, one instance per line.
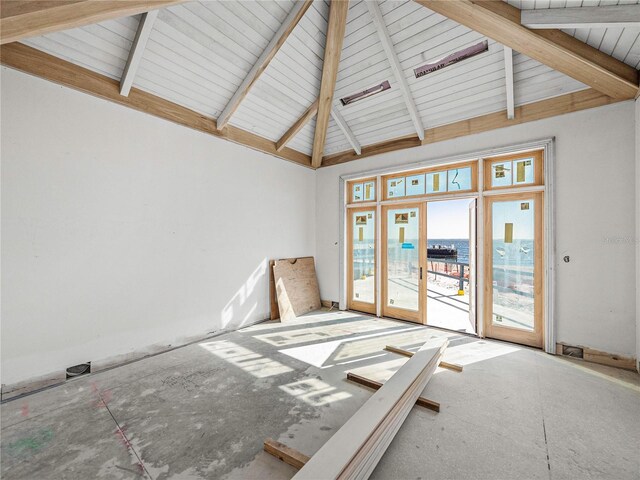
(637,238)
(595,218)
(121,230)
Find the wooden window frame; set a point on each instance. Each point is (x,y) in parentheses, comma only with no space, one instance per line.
(441,168)
(419,316)
(353,304)
(502,332)
(538,169)
(350,185)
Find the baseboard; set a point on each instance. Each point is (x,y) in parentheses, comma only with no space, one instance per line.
(595,356)
(33,385)
(329,304)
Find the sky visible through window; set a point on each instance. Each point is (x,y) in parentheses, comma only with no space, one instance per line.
(448,219)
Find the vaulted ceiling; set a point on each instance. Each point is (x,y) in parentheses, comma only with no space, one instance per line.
(258,65)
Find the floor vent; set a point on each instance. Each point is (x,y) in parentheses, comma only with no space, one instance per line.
(78,370)
(570,351)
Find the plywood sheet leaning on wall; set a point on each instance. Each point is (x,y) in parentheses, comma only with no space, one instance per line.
(296,287)
(354,451)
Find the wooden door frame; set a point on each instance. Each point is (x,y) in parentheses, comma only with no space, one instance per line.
(512,334)
(394,312)
(351,303)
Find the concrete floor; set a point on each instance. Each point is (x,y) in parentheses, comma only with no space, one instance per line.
(203,411)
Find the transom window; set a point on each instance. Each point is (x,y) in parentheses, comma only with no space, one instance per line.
(431,181)
(510,171)
(362,190)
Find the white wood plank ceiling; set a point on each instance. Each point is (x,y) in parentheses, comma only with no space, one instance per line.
(198,54)
(622,43)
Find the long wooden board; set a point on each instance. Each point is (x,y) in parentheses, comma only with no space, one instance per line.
(354,451)
(374,385)
(406,353)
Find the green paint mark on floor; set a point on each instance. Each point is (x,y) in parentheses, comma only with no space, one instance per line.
(32,444)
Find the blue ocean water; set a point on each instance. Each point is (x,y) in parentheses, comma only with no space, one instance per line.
(461,244)
(519,252)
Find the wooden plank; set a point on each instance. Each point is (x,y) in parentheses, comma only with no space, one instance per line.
(43,65)
(296,287)
(571,102)
(396,67)
(286,454)
(23,18)
(137,50)
(296,13)
(338,10)
(400,351)
(355,449)
(344,127)
(367,382)
(603,16)
(600,357)
(585,50)
(296,127)
(508,75)
(503,25)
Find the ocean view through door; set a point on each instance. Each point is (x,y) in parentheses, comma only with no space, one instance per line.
(450,264)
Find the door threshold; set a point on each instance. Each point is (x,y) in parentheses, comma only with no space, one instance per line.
(475,335)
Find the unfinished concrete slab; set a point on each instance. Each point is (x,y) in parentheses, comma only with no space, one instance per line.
(203,411)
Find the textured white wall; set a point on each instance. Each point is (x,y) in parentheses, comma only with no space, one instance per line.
(121,230)
(637,238)
(595,193)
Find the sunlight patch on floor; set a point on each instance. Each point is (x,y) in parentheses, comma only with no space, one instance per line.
(314,392)
(247,360)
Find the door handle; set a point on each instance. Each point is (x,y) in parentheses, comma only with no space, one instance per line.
(420,273)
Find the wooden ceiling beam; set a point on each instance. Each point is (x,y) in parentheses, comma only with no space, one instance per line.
(603,16)
(501,22)
(306,118)
(41,64)
(21,19)
(508,75)
(296,13)
(337,23)
(346,131)
(571,102)
(137,50)
(396,67)
(296,127)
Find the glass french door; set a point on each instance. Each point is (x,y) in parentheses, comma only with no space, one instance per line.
(403,262)
(361,281)
(514,268)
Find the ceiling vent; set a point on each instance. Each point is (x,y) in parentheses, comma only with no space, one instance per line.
(366,93)
(451,59)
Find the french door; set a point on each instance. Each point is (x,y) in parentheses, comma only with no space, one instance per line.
(361,271)
(514,268)
(404,262)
